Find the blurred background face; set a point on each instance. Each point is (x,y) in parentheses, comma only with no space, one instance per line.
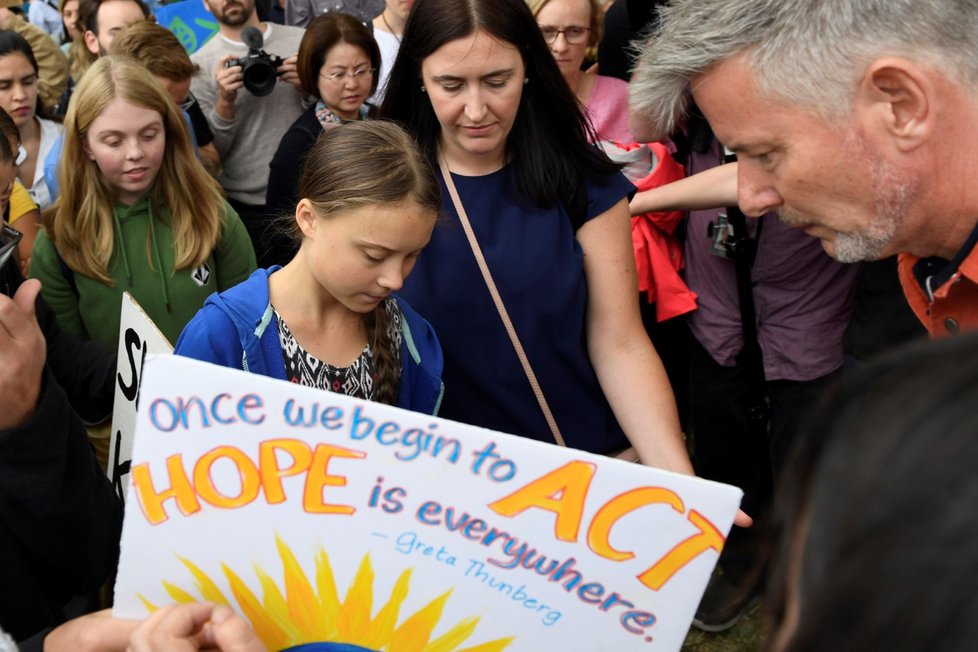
(399,9)
(345,80)
(69,14)
(232,13)
(573,20)
(18,88)
(178,89)
(113,17)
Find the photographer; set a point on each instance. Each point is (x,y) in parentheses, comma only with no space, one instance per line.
(247,128)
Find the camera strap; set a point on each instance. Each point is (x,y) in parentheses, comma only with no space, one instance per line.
(750,357)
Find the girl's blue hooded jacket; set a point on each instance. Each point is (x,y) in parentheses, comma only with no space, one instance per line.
(236,328)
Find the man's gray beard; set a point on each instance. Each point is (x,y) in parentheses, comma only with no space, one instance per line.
(868,245)
(893,196)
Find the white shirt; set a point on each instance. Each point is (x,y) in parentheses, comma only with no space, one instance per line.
(389,44)
(50,131)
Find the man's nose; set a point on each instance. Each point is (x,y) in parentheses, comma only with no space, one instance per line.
(755,192)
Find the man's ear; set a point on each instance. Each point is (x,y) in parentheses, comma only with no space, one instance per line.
(91,42)
(306,218)
(901,96)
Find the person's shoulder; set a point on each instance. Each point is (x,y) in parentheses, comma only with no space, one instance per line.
(286,33)
(386,40)
(229,219)
(306,126)
(214,48)
(23,27)
(50,130)
(43,244)
(291,30)
(247,295)
(239,304)
(604,190)
(611,84)
(44,257)
(229,216)
(298,139)
(21,202)
(609,91)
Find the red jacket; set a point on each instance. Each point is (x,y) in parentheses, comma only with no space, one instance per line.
(658,254)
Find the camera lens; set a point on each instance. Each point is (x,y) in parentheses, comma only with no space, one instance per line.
(260,78)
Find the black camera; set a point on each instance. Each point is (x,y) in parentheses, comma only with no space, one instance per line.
(259,67)
(725,240)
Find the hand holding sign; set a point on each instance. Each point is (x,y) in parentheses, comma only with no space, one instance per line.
(195,626)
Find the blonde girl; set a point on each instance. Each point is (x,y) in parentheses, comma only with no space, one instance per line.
(137,212)
(329,318)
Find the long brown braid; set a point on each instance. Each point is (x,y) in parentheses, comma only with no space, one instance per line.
(369,163)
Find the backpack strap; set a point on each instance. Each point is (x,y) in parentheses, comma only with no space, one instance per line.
(67,272)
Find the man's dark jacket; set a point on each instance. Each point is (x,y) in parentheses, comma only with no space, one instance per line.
(60,519)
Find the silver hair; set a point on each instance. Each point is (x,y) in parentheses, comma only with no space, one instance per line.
(811,53)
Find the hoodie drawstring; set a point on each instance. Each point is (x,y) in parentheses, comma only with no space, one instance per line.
(153,244)
(122,244)
(156,254)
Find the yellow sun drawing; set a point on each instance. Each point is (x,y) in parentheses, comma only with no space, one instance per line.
(309,613)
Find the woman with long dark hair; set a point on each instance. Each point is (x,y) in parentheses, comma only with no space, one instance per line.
(476,84)
(19,98)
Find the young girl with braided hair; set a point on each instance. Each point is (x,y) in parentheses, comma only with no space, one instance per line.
(328,319)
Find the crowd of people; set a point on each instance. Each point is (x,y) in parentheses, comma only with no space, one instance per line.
(423,203)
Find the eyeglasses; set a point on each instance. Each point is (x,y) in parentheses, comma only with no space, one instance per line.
(358,75)
(9,238)
(574,35)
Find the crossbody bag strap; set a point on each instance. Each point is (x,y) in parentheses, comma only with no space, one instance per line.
(498,300)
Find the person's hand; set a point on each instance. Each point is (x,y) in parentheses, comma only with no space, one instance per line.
(288,72)
(195,626)
(97,632)
(22,355)
(229,82)
(741,519)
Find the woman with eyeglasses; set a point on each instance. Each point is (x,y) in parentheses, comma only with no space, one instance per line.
(337,62)
(19,98)
(570,27)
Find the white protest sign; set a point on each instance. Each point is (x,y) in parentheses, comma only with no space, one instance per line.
(138,337)
(325,518)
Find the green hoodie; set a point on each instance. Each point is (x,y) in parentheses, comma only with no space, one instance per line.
(143,246)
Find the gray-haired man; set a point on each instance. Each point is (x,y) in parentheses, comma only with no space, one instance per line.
(855,120)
